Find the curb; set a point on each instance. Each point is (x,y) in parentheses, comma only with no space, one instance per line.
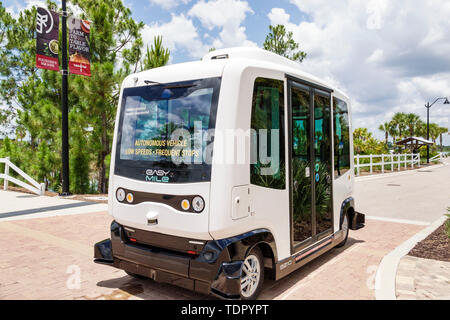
(387,271)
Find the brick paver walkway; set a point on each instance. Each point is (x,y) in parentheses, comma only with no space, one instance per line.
(51,258)
(423,279)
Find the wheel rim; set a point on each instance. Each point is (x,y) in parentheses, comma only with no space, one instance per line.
(345,225)
(251,271)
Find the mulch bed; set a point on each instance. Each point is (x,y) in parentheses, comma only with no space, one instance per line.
(435,247)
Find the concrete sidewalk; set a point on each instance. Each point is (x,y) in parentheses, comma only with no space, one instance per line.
(422,279)
(20,206)
(420,196)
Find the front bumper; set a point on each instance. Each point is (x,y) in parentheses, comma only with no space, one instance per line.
(358,221)
(218,275)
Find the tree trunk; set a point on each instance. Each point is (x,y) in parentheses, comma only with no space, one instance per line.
(102,183)
(102,175)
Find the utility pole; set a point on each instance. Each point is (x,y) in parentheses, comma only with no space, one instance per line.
(65,107)
(428,106)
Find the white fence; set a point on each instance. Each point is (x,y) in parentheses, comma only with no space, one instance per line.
(440,156)
(395,161)
(35,187)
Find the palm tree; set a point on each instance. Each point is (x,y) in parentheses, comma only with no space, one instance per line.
(434,132)
(393,131)
(157,56)
(399,120)
(413,122)
(422,130)
(385,128)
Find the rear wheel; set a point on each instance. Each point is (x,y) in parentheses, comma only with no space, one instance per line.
(345,227)
(252,277)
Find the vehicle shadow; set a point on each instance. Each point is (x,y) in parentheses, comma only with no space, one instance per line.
(128,287)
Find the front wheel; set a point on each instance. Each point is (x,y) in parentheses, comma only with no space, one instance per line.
(252,277)
(345,227)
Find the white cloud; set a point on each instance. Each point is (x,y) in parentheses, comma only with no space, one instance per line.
(169,4)
(389,56)
(377,11)
(376,56)
(278,16)
(15,8)
(227,15)
(178,33)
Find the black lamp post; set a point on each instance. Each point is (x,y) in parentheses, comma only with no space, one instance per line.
(428,106)
(65,107)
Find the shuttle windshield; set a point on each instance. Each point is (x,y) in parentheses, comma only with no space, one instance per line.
(165,131)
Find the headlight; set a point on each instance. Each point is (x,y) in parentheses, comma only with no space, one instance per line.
(130,198)
(198,204)
(185,204)
(120,194)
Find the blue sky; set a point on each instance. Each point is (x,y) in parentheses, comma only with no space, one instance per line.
(388,56)
(256,23)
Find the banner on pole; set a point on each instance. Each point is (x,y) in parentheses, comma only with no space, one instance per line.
(47,33)
(79,52)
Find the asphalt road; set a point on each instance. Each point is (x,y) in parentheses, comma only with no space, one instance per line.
(420,196)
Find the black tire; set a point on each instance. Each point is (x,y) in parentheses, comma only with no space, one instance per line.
(254,253)
(344,242)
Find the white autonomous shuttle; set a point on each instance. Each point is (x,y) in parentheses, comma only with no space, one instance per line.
(227,170)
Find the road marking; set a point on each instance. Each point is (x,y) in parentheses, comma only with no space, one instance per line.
(46,209)
(404,221)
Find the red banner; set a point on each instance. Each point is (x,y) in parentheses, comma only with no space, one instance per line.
(47,45)
(79,52)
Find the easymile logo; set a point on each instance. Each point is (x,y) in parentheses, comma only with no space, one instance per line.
(158,176)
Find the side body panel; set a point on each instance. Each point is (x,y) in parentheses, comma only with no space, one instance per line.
(268,208)
(343,187)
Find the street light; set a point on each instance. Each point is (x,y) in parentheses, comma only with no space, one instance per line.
(64,107)
(428,106)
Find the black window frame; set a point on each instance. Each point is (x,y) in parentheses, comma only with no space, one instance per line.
(339,170)
(181,174)
(256,178)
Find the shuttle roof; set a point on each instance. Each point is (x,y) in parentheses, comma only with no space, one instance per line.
(213,63)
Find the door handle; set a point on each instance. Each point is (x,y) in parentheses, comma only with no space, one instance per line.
(296,186)
(307,172)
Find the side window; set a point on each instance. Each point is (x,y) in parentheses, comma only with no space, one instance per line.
(341,138)
(267,168)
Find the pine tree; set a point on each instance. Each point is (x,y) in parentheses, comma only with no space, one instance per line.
(33,96)
(157,56)
(281,42)
(112,30)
